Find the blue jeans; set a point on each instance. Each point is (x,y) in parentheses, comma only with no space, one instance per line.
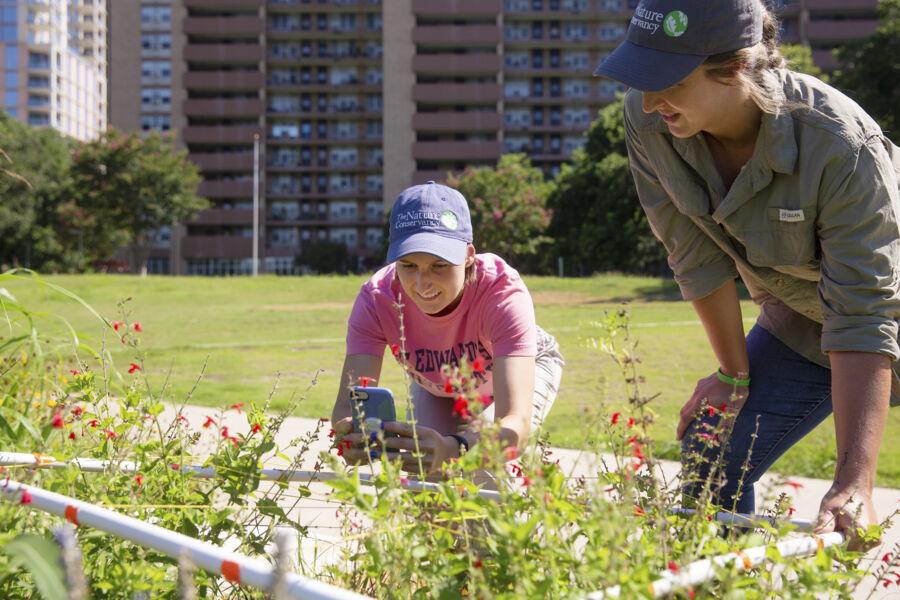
(789,396)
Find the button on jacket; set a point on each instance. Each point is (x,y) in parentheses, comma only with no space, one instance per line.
(810,223)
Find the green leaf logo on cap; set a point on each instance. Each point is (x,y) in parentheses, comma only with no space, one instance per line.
(675,23)
(448,218)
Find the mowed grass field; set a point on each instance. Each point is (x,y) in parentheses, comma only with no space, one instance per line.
(271,335)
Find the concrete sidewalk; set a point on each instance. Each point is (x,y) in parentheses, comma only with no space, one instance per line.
(318,512)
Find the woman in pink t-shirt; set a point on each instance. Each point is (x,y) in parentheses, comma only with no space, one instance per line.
(456,304)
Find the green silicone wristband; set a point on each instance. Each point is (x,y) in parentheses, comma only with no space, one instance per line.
(732,380)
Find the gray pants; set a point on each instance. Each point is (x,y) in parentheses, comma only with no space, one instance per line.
(437,413)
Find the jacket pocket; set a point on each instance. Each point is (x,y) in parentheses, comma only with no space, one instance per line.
(788,240)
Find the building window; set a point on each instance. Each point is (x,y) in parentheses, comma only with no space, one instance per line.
(155,122)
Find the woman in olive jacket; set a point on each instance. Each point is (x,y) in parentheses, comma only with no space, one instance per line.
(745,168)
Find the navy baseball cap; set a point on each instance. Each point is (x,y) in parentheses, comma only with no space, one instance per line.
(430,218)
(667,39)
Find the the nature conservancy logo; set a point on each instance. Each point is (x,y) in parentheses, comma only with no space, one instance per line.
(674,23)
(448,218)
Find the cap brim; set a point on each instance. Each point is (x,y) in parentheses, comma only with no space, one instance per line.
(450,249)
(646,69)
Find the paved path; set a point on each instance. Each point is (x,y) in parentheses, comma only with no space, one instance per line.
(318,512)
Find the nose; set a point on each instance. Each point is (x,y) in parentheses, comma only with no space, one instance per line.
(651,101)
(423,282)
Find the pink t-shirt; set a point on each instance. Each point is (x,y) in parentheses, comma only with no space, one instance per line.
(494,318)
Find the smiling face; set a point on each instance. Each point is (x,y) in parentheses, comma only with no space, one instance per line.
(433,284)
(696,103)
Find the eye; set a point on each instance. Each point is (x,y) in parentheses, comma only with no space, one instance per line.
(439,266)
(407,266)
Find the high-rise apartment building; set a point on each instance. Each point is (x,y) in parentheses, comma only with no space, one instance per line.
(353,100)
(55,64)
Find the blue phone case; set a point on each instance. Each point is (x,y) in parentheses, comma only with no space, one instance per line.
(375,402)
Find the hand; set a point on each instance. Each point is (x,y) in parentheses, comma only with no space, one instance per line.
(846,512)
(349,443)
(711,392)
(436,448)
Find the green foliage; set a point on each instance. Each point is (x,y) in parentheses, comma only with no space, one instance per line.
(869,70)
(598,222)
(799,58)
(508,206)
(324,257)
(42,559)
(129,186)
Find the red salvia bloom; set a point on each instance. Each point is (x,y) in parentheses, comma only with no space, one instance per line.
(225,432)
(791,511)
(93,422)
(117,325)
(256,427)
(133,367)
(448,387)
(395,350)
(175,467)
(794,484)
(711,411)
(638,511)
(139,479)
(137,326)
(208,423)
(511,452)
(26,498)
(886,557)
(478,564)
(331,433)
(324,419)
(484,399)
(478,365)
(71,435)
(57,421)
(111,435)
(77,410)
(723,407)
(630,423)
(614,419)
(461,407)
(183,419)
(526,481)
(237,406)
(75,372)
(404,480)
(672,566)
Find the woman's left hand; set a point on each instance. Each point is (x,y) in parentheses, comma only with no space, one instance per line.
(847,512)
(436,448)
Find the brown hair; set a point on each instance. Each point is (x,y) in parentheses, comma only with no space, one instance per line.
(754,68)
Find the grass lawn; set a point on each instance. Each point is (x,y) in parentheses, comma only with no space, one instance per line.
(256,336)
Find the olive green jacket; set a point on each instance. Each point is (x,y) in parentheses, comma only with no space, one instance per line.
(810,223)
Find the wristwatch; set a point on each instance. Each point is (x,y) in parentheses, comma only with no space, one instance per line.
(461,441)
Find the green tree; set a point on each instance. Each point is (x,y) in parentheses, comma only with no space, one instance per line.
(509,208)
(598,223)
(130,187)
(34,166)
(799,58)
(869,70)
(324,256)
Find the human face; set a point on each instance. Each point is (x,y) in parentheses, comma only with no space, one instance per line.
(432,283)
(697,103)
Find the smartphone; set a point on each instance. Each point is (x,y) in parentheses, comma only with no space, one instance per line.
(372,402)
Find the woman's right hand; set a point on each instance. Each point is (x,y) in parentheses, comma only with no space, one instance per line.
(349,443)
(710,391)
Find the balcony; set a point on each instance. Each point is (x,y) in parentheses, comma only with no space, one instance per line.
(457,121)
(456,93)
(458,64)
(248,5)
(456,8)
(226,189)
(840,30)
(216,246)
(456,35)
(224,53)
(224,26)
(220,134)
(222,161)
(224,80)
(457,150)
(224,107)
(224,216)
(842,6)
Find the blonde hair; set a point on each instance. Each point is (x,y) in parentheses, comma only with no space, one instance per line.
(755,68)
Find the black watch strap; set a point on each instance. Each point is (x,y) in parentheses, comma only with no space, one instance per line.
(461,441)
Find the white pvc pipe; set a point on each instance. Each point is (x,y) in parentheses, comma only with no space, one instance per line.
(233,567)
(97,465)
(701,571)
(750,521)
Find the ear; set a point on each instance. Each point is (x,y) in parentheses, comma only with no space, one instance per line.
(470,256)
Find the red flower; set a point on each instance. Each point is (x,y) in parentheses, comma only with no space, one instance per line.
(711,411)
(237,406)
(723,408)
(26,498)
(794,484)
(133,367)
(340,451)
(478,365)
(72,435)
(526,481)
(117,325)
(614,419)
(709,517)
(404,480)
(111,435)
(346,444)
(791,511)
(691,593)
(709,437)
(77,410)
(93,422)
(638,511)
(478,564)
(886,557)
(331,433)
(630,422)
(395,350)
(175,467)
(638,454)
(75,372)
(256,427)
(224,432)
(208,423)
(183,419)
(137,326)
(484,399)
(511,452)
(139,479)
(461,407)
(365,381)
(324,419)
(672,566)
(516,470)
(57,421)
(448,387)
